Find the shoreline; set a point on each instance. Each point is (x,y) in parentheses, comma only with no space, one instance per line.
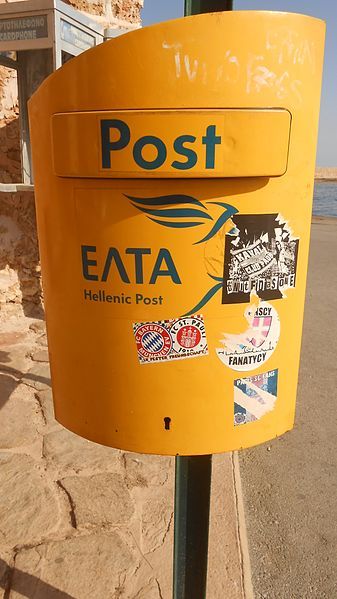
(325,179)
(327,220)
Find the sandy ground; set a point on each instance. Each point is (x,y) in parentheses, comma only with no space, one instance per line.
(290,484)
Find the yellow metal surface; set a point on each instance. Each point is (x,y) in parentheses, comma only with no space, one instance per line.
(174,306)
(198,143)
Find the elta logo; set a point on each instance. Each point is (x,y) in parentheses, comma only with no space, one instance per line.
(180,211)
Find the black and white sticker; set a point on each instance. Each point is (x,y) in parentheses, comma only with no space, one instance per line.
(260,257)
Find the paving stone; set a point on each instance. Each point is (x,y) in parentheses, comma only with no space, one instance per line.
(12,337)
(68,452)
(42,340)
(45,399)
(20,418)
(90,567)
(161,563)
(41,355)
(39,326)
(99,500)
(15,360)
(102,487)
(28,507)
(150,591)
(145,470)
(156,519)
(38,376)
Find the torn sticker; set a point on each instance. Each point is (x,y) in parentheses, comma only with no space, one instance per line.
(254,396)
(170,339)
(251,349)
(260,256)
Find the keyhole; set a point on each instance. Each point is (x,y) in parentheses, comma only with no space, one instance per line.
(167,422)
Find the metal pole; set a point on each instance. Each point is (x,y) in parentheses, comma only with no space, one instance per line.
(191,523)
(193,473)
(195,7)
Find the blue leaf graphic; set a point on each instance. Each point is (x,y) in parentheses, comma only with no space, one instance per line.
(205,299)
(229,211)
(175,212)
(166,200)
(176,224)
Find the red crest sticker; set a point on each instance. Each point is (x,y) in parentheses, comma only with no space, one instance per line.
(170,339)
(153,341)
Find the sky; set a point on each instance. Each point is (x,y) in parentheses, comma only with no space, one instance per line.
(155,11)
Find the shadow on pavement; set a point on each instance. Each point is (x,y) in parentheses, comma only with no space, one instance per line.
(10,378)
(28,585)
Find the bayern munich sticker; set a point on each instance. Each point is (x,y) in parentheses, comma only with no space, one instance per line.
(170,339)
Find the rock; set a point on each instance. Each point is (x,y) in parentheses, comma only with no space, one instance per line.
(28,507)
(146,470)
(39,326)
(66,451)
(41,355)
(20,418)
(99,500)
(157,520)
(38,376)
(88,567)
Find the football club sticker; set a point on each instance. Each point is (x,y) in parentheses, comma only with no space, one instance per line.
(252,348)
(254,396)
(170,339)
(153,341)
(189,336)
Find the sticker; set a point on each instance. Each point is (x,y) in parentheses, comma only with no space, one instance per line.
(260,256)
(153,341)
(254,396)
(251,349)
(171,339)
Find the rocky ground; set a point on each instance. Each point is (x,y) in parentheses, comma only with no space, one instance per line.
(78,520)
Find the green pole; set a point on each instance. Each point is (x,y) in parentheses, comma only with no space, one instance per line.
(196,7)
(193,473)
(191,524)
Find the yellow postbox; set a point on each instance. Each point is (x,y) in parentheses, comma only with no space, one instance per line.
(174,178)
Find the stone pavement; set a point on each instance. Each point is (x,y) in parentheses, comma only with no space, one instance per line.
(79,520)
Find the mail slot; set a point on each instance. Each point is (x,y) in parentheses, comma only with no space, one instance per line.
(192,143)
(174,173)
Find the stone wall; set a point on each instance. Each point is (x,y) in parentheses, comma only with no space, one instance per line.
(20,285)
(123,10)
(10,165)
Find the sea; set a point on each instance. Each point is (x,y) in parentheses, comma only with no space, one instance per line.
(325,199)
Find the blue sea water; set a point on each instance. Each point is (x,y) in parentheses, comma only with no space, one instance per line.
(325,199)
